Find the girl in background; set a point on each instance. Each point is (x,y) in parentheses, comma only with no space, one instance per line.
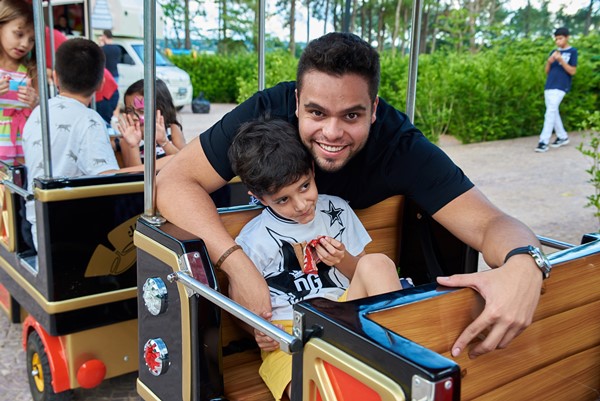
(169,135)
(17,68)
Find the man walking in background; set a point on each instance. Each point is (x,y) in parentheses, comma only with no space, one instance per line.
(560,68)
(112,53)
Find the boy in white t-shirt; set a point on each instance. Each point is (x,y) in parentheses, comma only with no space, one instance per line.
(79,142)
(306,245)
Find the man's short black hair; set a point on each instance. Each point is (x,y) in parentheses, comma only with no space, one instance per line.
(80,66)
(340,53)
(562,31)
(107,33)
(268,155)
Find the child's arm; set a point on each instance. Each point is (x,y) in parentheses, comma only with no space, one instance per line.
(266,343)
(177,137)
(333,253)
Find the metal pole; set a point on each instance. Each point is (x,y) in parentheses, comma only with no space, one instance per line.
(150,114)
(261,44)
(40,37)
(415,40)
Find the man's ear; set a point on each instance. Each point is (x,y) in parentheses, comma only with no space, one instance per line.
(296,92)
(374,115)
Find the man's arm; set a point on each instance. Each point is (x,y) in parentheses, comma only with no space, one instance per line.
(182,195)
(511,292)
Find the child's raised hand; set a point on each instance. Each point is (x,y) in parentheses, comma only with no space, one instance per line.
(330,251)
(161,132)
(130,130)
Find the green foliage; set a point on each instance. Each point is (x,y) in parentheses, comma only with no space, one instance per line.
(592,150)
(216,75)
(279,66)
(497,93)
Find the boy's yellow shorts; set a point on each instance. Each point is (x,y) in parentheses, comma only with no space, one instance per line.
(276,369)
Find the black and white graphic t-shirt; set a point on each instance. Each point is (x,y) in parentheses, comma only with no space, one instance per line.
(269,241)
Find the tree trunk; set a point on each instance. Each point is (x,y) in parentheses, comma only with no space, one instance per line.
(588,19)
(326,16)
(424,27)
(396,27)
(186,22)
(370,24)
(380,28)
(292,46)
(307,21)
(353,16)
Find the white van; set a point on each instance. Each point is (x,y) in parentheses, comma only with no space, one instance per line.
(131,69)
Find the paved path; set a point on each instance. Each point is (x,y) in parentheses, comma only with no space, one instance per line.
(547,191)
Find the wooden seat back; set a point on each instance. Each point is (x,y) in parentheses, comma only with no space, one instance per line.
(558,356)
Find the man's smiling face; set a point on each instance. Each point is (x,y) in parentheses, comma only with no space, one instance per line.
(335,114)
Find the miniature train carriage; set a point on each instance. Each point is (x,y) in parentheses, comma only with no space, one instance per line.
(76,295)
(389,347)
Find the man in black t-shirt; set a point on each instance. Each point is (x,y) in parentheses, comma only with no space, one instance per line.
(364,151)
(112,53)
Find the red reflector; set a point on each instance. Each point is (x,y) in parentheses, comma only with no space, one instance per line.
(91,373)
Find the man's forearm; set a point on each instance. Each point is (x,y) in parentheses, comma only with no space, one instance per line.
(503,235)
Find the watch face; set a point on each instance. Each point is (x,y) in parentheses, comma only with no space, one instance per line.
(154,293)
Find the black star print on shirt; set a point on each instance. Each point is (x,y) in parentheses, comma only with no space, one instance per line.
(334,214)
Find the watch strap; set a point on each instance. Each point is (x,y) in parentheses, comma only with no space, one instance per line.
(517,251)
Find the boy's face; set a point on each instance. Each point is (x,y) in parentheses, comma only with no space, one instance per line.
(561,41)
(335,114)
(296,201)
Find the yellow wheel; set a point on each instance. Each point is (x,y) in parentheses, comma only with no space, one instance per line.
(37,373)
(40,376)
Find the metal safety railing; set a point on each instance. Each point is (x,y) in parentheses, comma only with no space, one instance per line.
(287,342)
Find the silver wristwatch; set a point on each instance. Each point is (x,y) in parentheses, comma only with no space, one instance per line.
(538,256)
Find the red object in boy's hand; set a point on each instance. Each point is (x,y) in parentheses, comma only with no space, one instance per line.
(311,258)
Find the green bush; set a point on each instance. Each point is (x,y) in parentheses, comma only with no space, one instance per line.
(497,93)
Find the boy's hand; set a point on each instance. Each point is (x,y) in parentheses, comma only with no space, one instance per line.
(266,343)
(330,251)
(130,130)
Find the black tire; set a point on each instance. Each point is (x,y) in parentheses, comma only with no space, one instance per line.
(39,374)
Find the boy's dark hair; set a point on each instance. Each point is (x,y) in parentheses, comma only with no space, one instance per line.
(80,66)
(268,155)
(340,53)
(562,31)
(108,33)
(164,100)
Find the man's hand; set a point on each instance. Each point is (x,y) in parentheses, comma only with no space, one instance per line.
(511,295)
